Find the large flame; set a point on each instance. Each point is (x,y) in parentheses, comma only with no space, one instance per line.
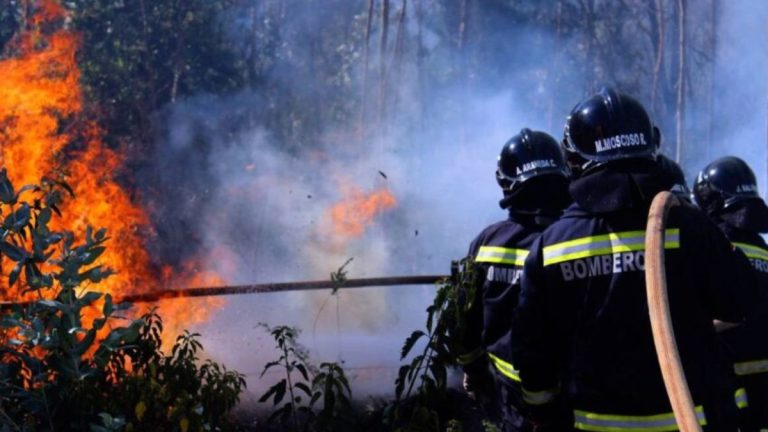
(44,131)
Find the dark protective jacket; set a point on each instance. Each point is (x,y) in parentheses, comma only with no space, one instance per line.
(583,327)
(498,253)
(747,344)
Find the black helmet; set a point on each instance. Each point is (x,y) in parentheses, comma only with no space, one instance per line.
(723,183)
(527,155)
(608,126)
(676,176)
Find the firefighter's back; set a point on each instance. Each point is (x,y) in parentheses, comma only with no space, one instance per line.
(582,327)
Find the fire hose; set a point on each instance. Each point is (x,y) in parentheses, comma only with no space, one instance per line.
(156,295)
(661,320)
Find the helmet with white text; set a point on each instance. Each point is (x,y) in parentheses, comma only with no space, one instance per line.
(606,127)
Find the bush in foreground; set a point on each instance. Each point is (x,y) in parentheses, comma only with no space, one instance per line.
(65,364)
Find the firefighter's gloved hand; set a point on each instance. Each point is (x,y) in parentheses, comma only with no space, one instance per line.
(479,384)
(550,417)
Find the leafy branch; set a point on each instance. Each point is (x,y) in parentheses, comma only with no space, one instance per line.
(426,374)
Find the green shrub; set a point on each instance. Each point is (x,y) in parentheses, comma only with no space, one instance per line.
(422,398)
(61,372)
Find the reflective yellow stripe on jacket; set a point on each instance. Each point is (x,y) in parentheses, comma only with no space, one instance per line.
(505,368)
(741,398)
(752,251)
(588,421)
(751,367)
(604,244)
(540,397)
(501,255)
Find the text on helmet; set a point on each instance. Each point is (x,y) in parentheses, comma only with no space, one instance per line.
(748,188)
(536,164)
(620,141)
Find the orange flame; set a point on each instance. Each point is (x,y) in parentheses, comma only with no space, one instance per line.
(356,211)
(45,131)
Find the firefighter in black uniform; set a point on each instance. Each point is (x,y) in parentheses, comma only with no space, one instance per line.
(534,178)
(582,328)
(726,190)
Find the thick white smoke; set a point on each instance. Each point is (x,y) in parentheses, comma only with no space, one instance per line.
(740,98)
(254,203)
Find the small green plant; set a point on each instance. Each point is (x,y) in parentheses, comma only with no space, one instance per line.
(339,279)
(306,385)
(421,385)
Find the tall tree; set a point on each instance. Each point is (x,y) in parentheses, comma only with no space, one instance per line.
(656,8)
(366,49)
(680,104)
(714,13)
(383,43)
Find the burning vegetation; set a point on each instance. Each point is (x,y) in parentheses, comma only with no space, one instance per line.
(49,131)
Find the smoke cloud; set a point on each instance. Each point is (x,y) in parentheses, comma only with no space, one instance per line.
(231,187)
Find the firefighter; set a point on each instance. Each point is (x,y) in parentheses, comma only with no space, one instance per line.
(533,176)
(582,329)
(726,190)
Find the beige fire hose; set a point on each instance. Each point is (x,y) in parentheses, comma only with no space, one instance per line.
(661,321)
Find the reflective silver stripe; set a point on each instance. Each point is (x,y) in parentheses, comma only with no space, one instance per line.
(505,368)
(751,367)
(540,397)
(752,251)
(471,356)
(501,255)
(604,244)
(588,421)
(741,398)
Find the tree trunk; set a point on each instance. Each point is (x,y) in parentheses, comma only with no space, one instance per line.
(588,11)
(554,78)
(420,60)
(657,21)
(366,48)
(461,42)
(383,65)
(178,55)
(712,78)
(399,47)
(680,105)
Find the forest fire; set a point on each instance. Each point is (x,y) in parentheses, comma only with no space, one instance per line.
(46,132)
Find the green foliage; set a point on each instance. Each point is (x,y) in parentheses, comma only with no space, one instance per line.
(306,386)
(140,55)
(339,277)
(59,370)
(421,385)
(171,392)
(490,427)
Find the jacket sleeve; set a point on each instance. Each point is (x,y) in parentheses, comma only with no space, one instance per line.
(538,348)
(472,358)
(730,282)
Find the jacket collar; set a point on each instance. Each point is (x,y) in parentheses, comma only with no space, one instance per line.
(618,187)
(538,220)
